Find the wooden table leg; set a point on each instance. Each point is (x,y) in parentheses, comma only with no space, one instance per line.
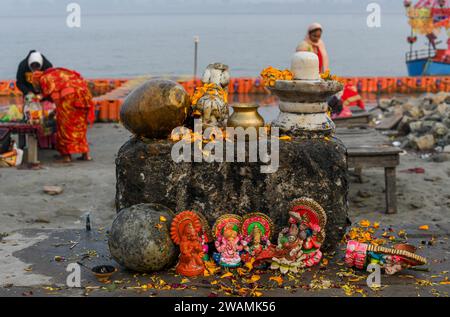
(22,140)
(32,152)
(391,190)
(358,174)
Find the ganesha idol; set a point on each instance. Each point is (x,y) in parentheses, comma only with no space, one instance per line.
(187,230)
(299,244)
(392,260)
(257,229)
(228,243)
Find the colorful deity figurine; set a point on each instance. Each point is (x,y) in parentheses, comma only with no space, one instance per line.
(392,260)
(205,236)
(185,232)
(257,229)
(298,245)
(226,230)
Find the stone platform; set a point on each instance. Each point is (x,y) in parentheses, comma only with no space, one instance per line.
(313,168)
(29,268)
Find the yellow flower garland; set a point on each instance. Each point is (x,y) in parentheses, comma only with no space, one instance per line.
(270,75)
(211,89)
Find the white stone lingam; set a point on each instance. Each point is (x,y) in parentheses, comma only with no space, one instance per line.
(303,101)
(305,66)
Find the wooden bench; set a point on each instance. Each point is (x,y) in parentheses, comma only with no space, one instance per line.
(369,149)
(361,119)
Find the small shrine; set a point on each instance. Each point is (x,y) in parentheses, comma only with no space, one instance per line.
(281,220)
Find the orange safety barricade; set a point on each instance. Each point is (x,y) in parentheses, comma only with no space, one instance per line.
(231,86)
(411,84)
(188,86)
(113,110)
(391,84)
(371,84)
(362,85)
(4,88)
(429,84)
(445,86)
(103,110)
(245,85)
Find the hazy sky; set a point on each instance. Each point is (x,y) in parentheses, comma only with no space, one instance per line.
(51,7)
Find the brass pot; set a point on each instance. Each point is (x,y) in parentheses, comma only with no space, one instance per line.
(245,115)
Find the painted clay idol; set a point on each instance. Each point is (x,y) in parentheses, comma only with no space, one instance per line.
(228,241)
(400,257)
(298,245)
(185,232)
(205,236)
(257,229)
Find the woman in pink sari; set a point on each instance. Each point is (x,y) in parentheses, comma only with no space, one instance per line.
(313,43)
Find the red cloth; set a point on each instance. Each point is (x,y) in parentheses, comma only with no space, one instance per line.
(319,54)
(74,108)
(350,97)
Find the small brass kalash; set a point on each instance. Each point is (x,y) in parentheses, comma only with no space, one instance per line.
(245,115)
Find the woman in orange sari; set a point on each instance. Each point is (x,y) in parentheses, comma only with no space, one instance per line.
(313,43)
(74,109)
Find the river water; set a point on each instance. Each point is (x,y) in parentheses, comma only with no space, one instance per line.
(127,45)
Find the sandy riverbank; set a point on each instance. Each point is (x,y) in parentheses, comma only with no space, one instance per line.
(90,186)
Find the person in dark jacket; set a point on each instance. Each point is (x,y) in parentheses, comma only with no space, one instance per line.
(35,61)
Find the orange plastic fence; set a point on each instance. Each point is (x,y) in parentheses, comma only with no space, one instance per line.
(108,106)
(97,86)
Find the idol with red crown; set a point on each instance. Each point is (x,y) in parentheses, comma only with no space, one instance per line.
(227,230)
(298,245)
(257,230)
(185,231)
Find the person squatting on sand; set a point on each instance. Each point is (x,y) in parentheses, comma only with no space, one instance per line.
(74,109)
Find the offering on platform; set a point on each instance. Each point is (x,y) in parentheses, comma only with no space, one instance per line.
(257,230)
(210,102)
(299,244)
(228,243)
(185,231)
(400,257)
(155,108)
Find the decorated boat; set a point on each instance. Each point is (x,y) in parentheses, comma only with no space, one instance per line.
(428,18)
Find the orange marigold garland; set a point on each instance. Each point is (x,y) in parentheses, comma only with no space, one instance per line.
(270,75)
(211,89)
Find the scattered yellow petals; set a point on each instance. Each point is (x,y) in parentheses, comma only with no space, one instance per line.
(249,264)
(364,223)
(277,279)
(162,219)
(254,278)
(240,271)
(228,274)
(424,227)
(184,281)
(285,138)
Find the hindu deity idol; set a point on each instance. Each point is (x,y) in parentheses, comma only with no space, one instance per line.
(257,229)
(228,241)
(184,231)
(205,236)
(299,244)
(392,260)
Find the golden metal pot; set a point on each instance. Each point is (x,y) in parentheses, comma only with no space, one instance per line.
(245,115)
